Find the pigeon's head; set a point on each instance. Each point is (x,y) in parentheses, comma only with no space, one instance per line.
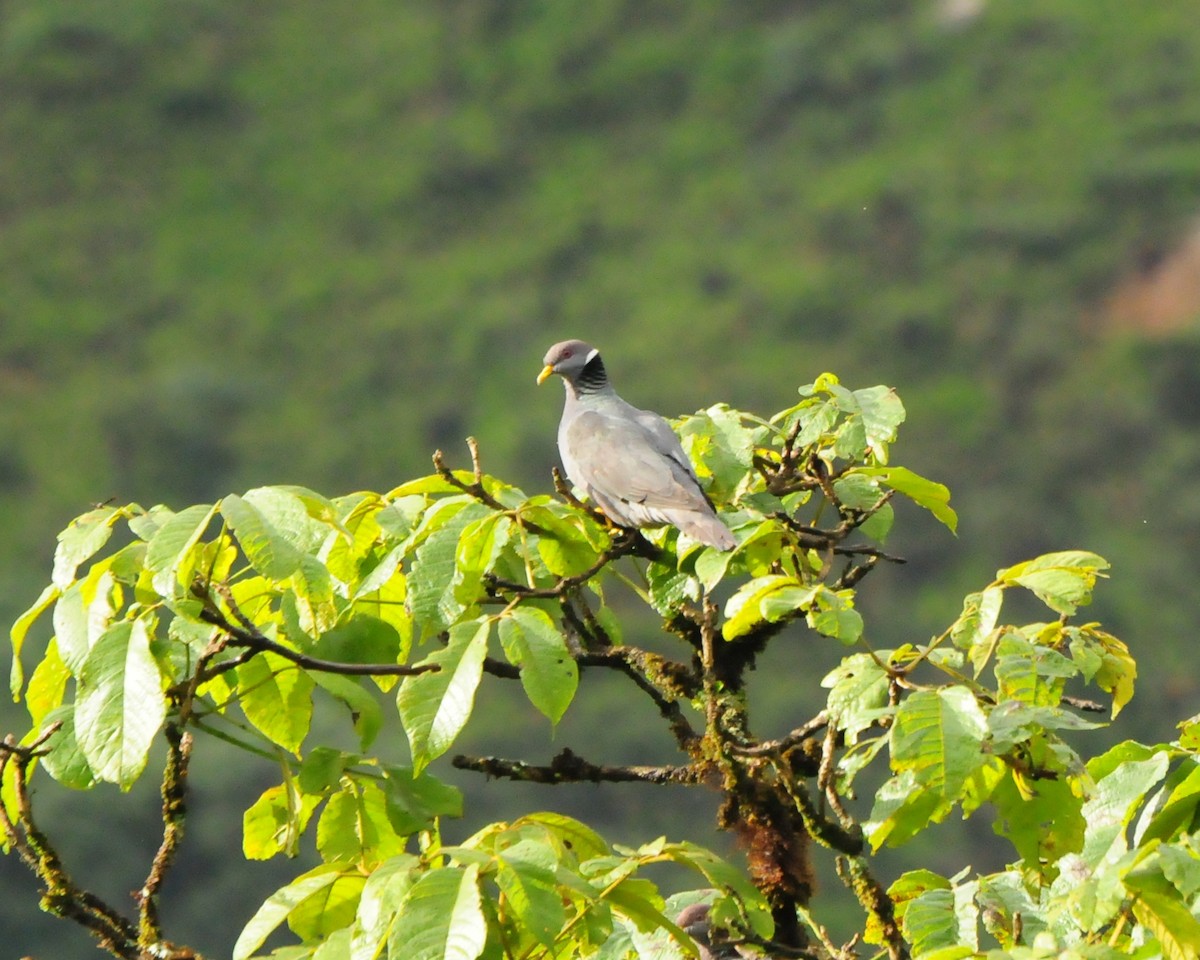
(568,359)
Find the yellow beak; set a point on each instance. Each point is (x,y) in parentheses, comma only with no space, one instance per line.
(547,371)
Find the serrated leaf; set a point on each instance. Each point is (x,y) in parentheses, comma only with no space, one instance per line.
(563,543)
(312,587)
(1043,820)
(722,875)
(82,539)
(168,549)
(441,918)
(269,552)
(276,697)
(549,673)
(434,706)
(120,706)
(831,613)
(978,618)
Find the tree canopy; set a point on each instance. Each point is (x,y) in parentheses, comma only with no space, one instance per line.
(232,619)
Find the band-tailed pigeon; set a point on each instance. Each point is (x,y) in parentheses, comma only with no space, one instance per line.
(628,461)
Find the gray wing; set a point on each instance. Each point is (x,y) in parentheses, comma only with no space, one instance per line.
(621,458)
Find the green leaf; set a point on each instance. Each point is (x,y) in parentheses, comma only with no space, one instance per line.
(858,691)
(360,638)
(930,921)
(47,686)
(978,618)
(355,827)
(720,446)
(381,899)
(831,613)
(722,875)
(269,552)
(938,736)
(441,918)
(1042,819)
(275,821)
(1063,581)
(365,711)
(329,910)
(526,877)
(881,412)
(549,673)
(416,801)
(434,706)
(20,630)
(312,587)
(568,544)
(65,762)
(580,840)
(276,697)
(84,536)
(435,581)
(1159,907)
(168,550)
(784,597)
(120,706)
(479,546)
(280,904)
(1114,802)
(934,497)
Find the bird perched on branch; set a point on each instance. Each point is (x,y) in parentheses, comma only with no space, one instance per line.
(628,461)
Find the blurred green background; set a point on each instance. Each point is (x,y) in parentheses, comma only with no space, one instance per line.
(304,242)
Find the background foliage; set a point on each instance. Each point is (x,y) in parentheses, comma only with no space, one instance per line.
(264,244)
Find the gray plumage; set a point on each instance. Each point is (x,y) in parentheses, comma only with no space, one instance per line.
(628,461)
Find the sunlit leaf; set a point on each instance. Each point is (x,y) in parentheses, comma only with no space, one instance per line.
(120,706)
(434,706)
(549,673)
(1063,581)
(441,918)
(276,697)
(280,904)
(82,539)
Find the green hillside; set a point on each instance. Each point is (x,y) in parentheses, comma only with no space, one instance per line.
(298,243)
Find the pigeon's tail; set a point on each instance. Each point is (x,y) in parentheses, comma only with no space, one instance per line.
(705,527)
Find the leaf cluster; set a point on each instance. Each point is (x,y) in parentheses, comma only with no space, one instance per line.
(232,619)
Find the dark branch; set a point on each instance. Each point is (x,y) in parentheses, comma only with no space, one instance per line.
(247,635)
(567,767)
(475,488)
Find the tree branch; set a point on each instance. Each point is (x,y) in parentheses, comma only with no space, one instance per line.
(61,896)
(568,767)
(247,635)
